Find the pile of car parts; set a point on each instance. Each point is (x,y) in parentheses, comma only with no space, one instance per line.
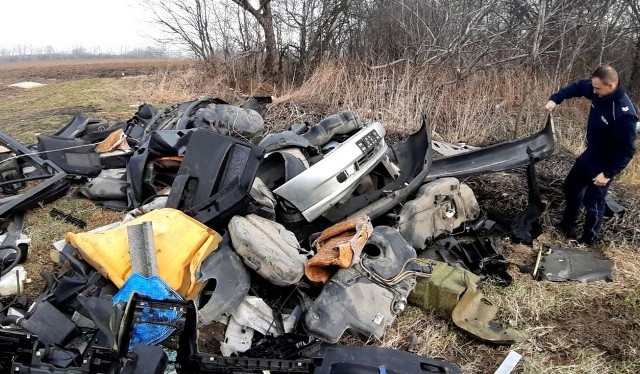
(291,239)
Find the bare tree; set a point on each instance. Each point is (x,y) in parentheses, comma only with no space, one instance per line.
(23,49)
(188,22)
(634,77)
(559,38)
(315,30)
(264,15)
(49,52)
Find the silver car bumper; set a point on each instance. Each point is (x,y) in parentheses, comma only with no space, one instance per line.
(328,181)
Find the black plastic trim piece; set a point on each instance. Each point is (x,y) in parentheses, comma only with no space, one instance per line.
(498,157)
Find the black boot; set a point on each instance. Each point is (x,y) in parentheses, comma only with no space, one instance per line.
(588,240)
(568,230)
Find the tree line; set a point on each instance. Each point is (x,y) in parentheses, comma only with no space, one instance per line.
(26,52)
(559,38)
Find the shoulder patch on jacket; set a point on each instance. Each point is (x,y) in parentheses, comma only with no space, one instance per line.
(626,106)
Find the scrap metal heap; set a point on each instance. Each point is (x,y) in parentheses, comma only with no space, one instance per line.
(291,239)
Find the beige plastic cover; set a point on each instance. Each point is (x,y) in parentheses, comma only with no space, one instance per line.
(268,248)
(439,207)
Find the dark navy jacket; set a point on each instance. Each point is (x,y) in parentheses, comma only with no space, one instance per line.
(611,128)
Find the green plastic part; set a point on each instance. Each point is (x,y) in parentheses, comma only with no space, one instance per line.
(443,289)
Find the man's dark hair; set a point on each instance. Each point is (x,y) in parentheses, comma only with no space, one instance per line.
(606,74)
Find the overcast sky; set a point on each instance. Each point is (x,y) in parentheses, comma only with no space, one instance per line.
(64,24)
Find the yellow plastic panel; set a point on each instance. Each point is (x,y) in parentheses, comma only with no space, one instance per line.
(181,243)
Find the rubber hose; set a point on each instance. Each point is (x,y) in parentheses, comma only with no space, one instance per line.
(7,320)
(15,262)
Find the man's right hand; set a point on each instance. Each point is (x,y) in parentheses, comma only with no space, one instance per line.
(551,105)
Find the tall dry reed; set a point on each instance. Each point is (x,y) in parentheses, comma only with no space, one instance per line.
(481,109)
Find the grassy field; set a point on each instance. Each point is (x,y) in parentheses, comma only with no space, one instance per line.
(573,328)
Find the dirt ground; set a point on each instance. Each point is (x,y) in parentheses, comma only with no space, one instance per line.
(45,71)
(573,327)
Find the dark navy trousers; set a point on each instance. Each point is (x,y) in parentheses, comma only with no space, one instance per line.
(578,190)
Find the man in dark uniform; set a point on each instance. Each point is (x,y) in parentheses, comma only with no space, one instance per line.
(611,135)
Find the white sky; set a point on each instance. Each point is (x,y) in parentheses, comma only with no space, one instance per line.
(106,24)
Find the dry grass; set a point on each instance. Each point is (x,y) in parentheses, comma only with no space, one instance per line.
(474,110)
(574,328)
(479,110)
(631,175)
(44,230)
(166,87)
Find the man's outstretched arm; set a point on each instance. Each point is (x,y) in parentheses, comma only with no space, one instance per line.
(581,88)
